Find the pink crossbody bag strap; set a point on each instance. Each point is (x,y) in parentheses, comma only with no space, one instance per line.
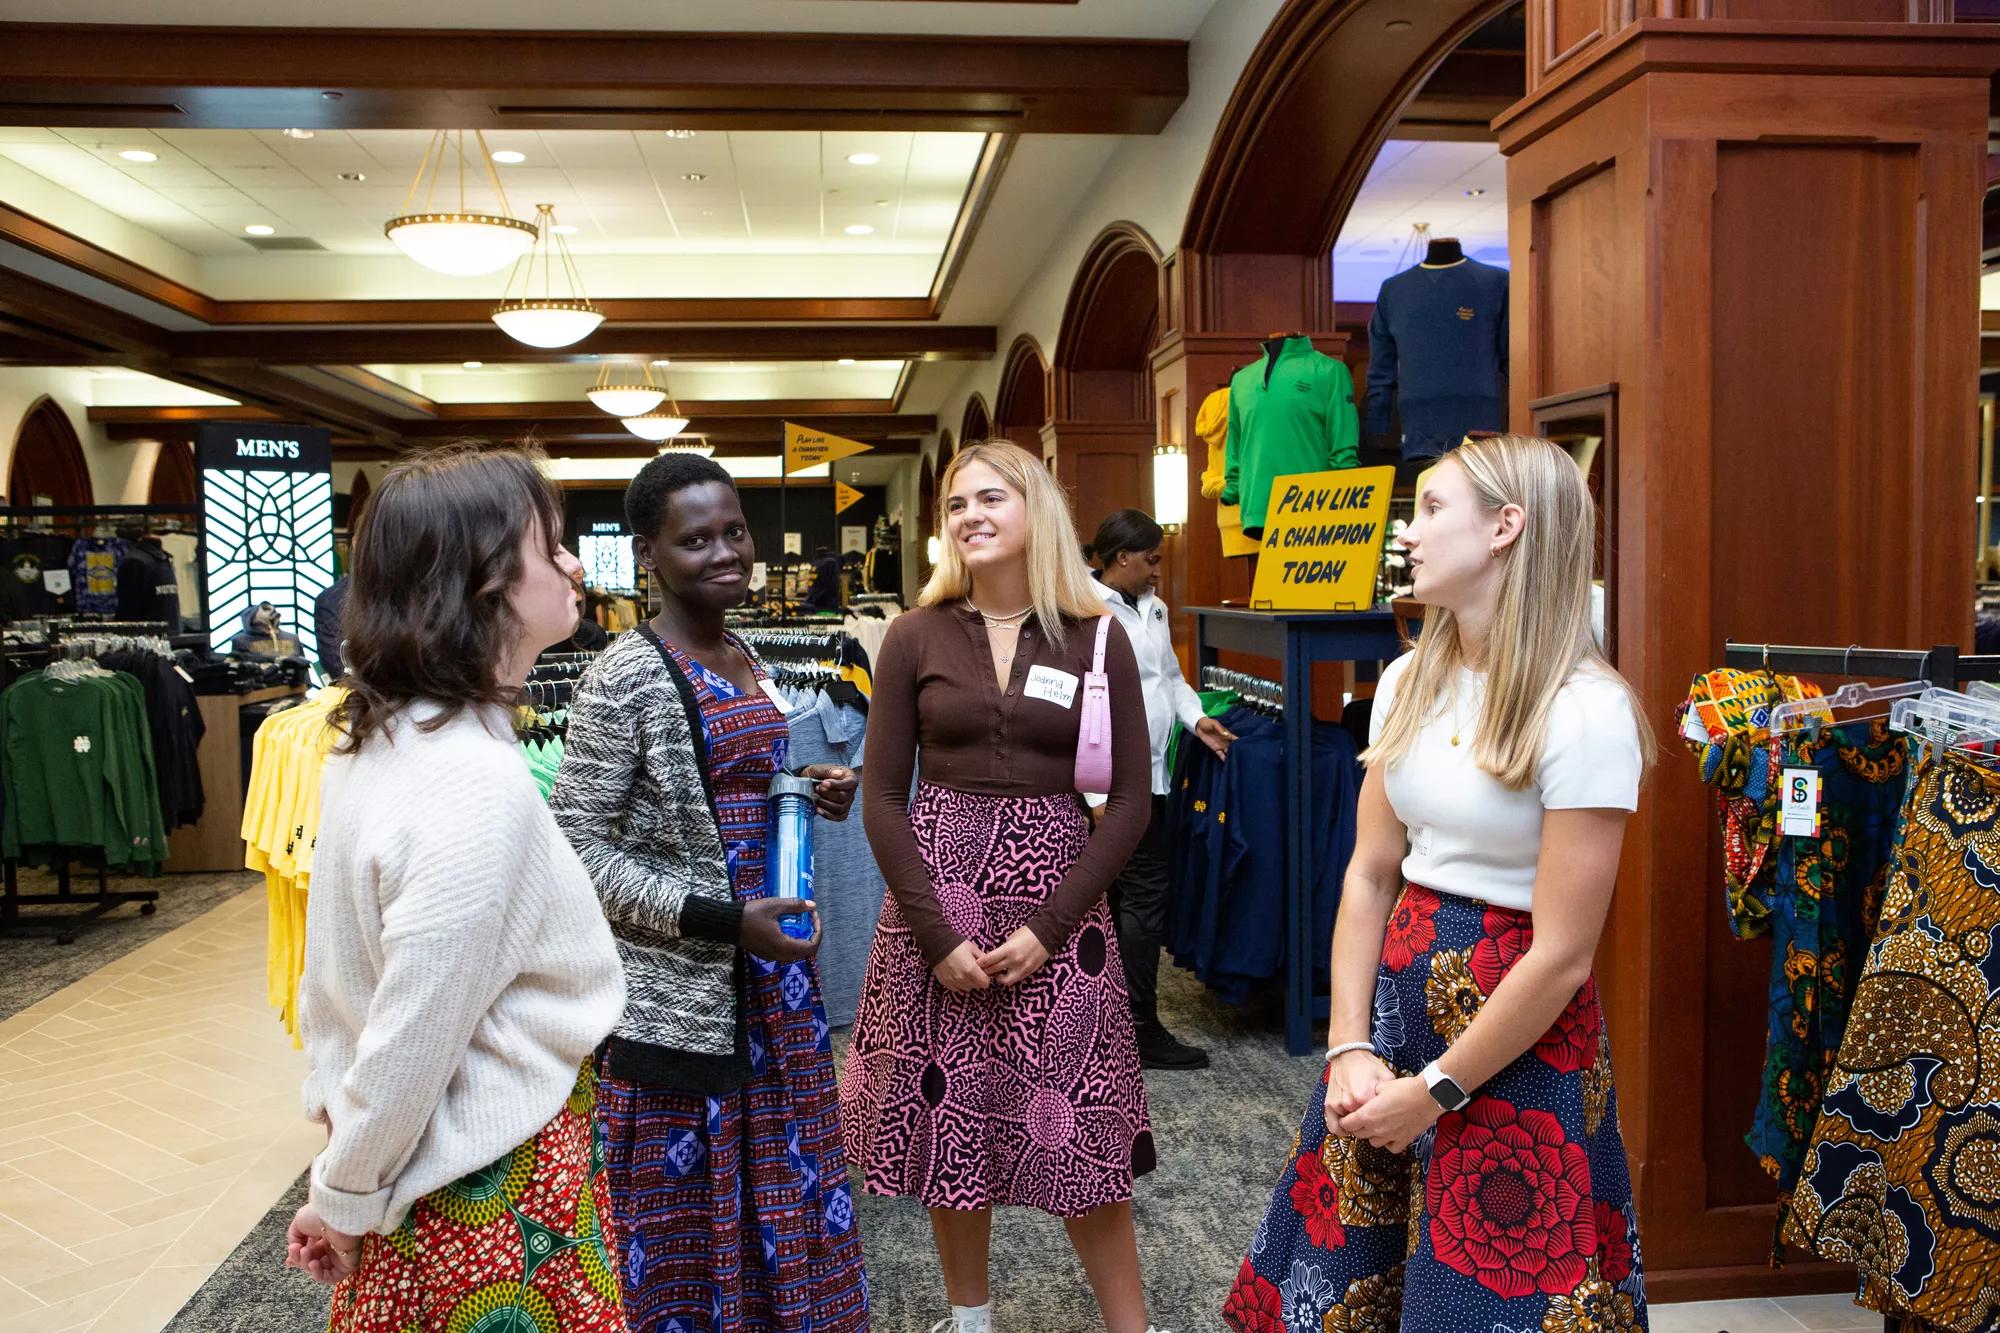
(1093,733)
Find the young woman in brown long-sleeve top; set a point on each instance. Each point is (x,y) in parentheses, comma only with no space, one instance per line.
(993,1059)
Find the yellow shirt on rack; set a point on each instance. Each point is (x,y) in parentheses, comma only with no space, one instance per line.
(280,828)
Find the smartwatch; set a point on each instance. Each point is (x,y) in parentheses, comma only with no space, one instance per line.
(1444,1091)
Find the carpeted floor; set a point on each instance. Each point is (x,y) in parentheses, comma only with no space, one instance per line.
(1222,1134)
(33,969)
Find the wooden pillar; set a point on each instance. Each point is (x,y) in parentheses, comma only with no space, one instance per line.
(1766,236)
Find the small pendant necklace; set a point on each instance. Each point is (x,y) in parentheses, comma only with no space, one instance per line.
(1006,622)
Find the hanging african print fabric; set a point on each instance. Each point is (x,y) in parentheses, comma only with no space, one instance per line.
(1899,1178)
(1815,897)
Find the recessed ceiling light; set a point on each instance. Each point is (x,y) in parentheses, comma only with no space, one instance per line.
(860,229)
(881,203)
(355,176)
(1474,194)
(696,176)
(510,157)
(847,361)
(473,365)
(563,229)
(662,361)
(1398,25)
(259,229)
(679,134)
(139,155)
(298,134)
(864,159)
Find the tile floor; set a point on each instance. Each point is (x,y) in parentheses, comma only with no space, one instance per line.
(149,1118)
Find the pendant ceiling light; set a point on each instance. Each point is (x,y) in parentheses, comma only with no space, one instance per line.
(662,423)
(462,242)
(624,394)
(688,444)
(538,316)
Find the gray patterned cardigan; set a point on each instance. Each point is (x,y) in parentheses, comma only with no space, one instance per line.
(631,801)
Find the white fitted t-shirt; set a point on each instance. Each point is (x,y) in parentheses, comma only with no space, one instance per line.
(1471,836)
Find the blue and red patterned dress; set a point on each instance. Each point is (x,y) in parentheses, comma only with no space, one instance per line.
(1514,1215)
(734,1211)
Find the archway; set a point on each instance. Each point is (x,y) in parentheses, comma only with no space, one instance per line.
(48,466)
(1100,437)
(976,425)
(1021,405)
(174,481)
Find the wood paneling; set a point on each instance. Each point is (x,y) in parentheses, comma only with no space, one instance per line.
(1714,232)
(210,78)
(174,480)
(1575,271)
(1021,405)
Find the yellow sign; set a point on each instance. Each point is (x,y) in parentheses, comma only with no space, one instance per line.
(845,497)
(809,448)
(1322,542)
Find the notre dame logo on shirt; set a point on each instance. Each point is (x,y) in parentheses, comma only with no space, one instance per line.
(1465,312)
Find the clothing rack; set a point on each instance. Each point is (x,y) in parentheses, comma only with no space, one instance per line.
(1254,690)
(794,644)
(89,906)
(1941,665)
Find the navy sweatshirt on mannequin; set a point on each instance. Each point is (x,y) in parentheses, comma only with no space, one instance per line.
(1437,350)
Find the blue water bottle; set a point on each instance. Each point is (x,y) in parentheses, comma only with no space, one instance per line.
(788,869)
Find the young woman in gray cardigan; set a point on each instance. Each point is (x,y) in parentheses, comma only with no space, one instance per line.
(717,1098)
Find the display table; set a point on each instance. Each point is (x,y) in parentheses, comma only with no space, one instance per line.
(216,841)
(1297,640)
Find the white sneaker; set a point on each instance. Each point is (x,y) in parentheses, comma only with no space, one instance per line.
(976,1321)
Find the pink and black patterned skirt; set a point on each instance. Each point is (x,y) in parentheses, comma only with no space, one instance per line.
(1029,1095)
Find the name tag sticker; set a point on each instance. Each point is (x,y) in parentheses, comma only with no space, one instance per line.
(778,700)
(1052,686)
(1798,815)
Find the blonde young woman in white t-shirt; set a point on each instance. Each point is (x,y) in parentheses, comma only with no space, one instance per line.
(1460,1166)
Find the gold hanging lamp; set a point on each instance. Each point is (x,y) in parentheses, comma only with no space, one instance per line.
(546,320)
(462,242)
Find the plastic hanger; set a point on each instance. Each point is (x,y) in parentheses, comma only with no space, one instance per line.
(1847,696)
(1946,717)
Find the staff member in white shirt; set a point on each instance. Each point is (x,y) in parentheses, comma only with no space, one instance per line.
(1127,549)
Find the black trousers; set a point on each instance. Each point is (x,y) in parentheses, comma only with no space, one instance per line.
(1139,905)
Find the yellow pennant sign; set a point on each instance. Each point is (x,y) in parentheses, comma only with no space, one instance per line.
(1322,542)
(809,448)
(845,497)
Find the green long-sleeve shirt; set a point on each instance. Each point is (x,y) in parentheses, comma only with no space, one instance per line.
(1287,414)
(79,770)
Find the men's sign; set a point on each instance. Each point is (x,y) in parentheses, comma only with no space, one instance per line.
(1322,542)
(267,523)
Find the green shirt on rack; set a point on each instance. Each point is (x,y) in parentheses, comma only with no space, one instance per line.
(79,770)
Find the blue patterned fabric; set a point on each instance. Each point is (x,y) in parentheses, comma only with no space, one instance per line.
(1514,1215)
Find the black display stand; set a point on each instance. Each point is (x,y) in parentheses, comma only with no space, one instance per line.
(90,906)
(1298,640)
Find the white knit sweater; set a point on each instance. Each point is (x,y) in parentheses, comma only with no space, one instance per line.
(458,967)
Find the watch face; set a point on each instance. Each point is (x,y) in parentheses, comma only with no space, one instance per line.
(1448,1094)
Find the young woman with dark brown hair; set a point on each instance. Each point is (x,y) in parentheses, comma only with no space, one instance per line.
(458,970)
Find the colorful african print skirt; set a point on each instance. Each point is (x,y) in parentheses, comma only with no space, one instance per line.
(1902,1178)
(523,1244)
(1029,1095)
(1512,1216)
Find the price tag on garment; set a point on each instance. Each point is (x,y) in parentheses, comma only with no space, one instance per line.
(777,698)
(1798,814)
(183,675)
(1056,687)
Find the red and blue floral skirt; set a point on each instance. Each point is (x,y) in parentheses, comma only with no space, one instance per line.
(1512,1216)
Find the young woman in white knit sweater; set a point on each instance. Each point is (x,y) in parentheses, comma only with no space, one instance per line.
(458,971)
